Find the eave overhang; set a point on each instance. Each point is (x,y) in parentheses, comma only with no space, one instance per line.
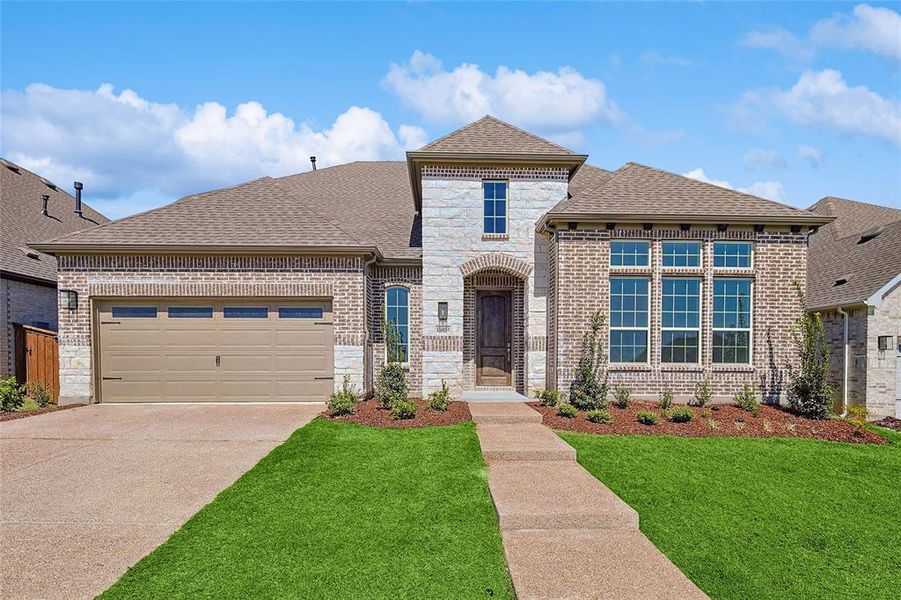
(550,220)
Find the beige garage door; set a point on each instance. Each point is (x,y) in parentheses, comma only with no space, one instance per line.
(231,350)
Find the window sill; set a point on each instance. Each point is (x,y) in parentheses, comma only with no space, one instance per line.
(733,271)
(732,368)
(629,367)
(496,236)
(631,271)
(681,368)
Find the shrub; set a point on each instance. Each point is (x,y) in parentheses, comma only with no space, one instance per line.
(12,395)
(705,413)
(599,415)
(622,397)
(40,393)
(588,390)
(713,424)
(401,408)
(566,410)
(702,393)
(344,401)
(392,380)
(857,414)
(439,399)
(549,397)
(683,414)
(647,418)
(809,392)
(746,400)
(666,400)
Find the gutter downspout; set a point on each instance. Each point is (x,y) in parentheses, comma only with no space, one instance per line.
(845,349)
(367,334)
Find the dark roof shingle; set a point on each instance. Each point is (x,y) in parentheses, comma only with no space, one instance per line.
(492,136)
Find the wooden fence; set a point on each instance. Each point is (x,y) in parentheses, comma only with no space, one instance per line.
(37,357)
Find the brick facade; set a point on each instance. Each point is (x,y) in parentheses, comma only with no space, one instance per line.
(381,278)
(22,302)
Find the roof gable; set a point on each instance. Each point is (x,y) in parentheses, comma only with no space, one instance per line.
(489,135)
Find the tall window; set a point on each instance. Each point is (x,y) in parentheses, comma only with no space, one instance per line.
(629,319)
(731,320)
(681,254)
(397,316)
(681,320)
(630,254)
(732,255)
(495,206)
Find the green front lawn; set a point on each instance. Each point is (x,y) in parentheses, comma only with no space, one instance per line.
(762,518)
(341,510)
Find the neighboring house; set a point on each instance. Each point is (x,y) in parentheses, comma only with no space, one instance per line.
(28,277)
(854,281)
(489,248)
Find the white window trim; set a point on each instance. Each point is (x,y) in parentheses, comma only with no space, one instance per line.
(632,267)
(749,328)
(713,255)
(700,264)
(699,328)
(406,363)
(647,329)
(506,234)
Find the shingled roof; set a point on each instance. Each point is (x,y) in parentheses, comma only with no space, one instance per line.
(855,256)
(21,221)
(638,192)
(489,135)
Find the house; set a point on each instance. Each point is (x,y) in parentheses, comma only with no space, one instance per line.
(489,249)
(31,208)
(854,281)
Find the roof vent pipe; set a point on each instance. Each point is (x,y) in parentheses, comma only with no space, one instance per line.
(78,187)
(313,161)
(45,198)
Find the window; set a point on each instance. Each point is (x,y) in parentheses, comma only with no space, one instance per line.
(245,312)
(300,312)
(630,254)
(495,206)
(397,315)
(134,312)
(190,312)
(681,254)
(732,255)
(629,319)
(681,321)
(731,320)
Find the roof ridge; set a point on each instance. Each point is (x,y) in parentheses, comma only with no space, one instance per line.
(319,215)
(492,119)
(523,131)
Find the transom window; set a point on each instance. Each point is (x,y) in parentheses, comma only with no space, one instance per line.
(190,312)
(630,253)
(732,255)
(681,320)
(397,319)
(681,254)
(629,319)
(731,320)
(495,194)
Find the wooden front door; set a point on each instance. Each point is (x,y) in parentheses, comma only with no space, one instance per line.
(493,360)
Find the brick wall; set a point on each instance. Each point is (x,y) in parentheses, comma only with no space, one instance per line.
(27,303)
(579,274)
(382,278)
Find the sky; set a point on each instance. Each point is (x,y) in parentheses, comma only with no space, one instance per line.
(148,102)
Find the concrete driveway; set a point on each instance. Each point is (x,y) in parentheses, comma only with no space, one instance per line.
(86,492)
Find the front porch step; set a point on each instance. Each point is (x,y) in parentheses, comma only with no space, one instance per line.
(555,495)
(522,441)
(503,412)
(492,396)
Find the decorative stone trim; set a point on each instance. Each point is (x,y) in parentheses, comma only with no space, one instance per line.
(496,261)
(537,343)
(443,343)
(177,288)
(512,173)
(162,264)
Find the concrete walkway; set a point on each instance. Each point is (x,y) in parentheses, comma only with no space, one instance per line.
(566,535)
(86,492)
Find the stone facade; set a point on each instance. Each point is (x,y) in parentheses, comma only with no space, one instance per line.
(27,303)
(579,274)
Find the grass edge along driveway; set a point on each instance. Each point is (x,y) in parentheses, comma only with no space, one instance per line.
(341,510)
(762,518)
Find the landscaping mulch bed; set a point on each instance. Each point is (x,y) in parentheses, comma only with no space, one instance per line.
(370,412)
(11,416)
(890,422)
(730,420)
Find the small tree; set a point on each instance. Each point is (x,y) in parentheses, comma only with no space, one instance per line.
(588,391)
(809,391)
(392,380)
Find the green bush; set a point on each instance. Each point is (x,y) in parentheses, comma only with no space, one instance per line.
(566,410)
(549,397)
(666,400)
(647,418)
(344,401)
(599,415)
(809,392)
(857,414)
(588,390)
(12,395)
(703,393)
(622,397)
(40,393)
(401,408)
(391,383)
(682,414)
(746,399)
(439,399)
(705,413)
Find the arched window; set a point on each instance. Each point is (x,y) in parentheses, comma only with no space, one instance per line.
(397,317)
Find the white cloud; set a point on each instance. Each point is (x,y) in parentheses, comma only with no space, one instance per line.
(868,28)
(782,41)
(124,146)
(556,102)
(823,99)
(813,156)
(760,160)
(771,190)
(651,57)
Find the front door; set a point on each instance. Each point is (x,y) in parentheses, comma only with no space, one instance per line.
(493,337)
